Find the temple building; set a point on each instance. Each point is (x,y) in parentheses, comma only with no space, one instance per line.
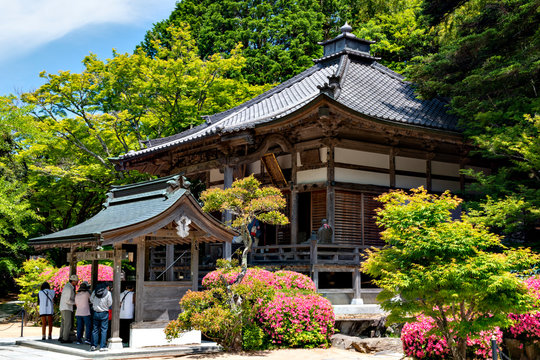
(332,138)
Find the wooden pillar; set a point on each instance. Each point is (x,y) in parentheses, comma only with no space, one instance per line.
(357,285)
(294,199)
(139,282)
(194,263)
(430,156)
(115,342)
(330,191)
(294,216)
(392,166)
(169,258)
(227,216)
(94,271)
(72,262)
(313,262)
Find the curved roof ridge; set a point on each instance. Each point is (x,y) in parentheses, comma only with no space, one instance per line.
(276,89)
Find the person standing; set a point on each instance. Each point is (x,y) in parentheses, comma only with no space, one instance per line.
(101,300)
(46,308)
(82,314)
(67,300)
(127,311)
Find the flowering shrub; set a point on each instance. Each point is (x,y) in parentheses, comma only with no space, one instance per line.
(526,327)
(421,343)
(61,276)
(298,321)
(286,279)
(264,310)
(213,279)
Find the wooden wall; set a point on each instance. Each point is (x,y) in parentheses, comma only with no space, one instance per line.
(161,299)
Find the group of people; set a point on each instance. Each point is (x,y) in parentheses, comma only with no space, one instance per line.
(92,314)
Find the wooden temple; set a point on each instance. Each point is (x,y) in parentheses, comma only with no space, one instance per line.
(161,228)
(332,139)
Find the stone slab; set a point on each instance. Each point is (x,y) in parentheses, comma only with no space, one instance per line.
(358,309)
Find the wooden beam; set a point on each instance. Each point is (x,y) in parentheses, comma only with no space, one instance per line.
(194,264)
(94,271)
(169,258)
(227,216)
(139,284)
(115,342)
(330,190)
(72,261)
(392,167)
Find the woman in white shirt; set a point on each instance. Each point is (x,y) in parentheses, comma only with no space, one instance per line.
(46,308)
(127,311)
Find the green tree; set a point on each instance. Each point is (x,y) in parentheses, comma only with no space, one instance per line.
(16,212)
(246,200)
(399,29)
(488,66)
(279,38)
(451,270)
(111,108)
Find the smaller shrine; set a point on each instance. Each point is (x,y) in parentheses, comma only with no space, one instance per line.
(160,227)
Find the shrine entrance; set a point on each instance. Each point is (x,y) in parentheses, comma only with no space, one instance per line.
(158,226)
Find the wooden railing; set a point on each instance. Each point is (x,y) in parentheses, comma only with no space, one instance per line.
(310,253)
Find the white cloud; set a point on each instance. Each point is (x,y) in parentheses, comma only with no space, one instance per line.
(28,24)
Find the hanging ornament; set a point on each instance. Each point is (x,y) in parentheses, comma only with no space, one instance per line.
(182,226)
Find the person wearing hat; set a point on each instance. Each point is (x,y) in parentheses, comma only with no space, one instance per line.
(82,314)
(67,300)
(101,300)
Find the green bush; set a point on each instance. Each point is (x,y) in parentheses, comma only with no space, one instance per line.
(35,273)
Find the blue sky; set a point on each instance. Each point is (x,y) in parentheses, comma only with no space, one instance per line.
(54,35)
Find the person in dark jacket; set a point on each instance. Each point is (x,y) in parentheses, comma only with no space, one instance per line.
(101,300)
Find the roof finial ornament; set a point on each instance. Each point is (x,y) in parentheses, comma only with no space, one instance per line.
(346,28)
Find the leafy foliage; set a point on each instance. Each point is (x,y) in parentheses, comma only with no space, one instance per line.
(15,209)
(246,200)
(34,273)
(454,272)
(488,66)
(420,342)
(279,38)
(111,108)
(258,312)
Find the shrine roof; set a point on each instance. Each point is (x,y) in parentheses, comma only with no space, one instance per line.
(348,74)
(134,209)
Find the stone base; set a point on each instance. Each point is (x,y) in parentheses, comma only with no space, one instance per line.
(367,345)
(142,337)
(115,343)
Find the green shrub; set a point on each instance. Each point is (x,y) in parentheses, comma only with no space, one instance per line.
(35,273)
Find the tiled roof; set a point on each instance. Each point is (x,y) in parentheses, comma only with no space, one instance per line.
(126,205)
(363,85)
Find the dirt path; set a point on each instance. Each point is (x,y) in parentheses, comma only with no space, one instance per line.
(290,354)
(13,330)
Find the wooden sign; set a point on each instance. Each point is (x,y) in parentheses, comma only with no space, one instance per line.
(96,255)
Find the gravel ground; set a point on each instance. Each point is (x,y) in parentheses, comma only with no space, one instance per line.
(291,354)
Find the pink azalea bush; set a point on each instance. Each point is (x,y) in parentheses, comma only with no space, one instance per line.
(286,279)
(298,321)
(213,279)
(61,276)
(420,343)
(526,327)
(280,309)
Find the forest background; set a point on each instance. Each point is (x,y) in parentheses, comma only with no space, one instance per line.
(483,56)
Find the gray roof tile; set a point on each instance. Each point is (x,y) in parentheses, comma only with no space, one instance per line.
(367,87)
